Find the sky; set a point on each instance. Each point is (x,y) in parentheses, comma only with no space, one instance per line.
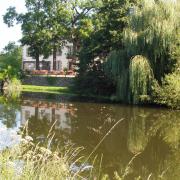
(13,33)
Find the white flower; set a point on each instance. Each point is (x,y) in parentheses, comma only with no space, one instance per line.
(28,138)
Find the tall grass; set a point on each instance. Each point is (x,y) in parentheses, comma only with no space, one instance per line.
(13,88)
(32,161)
(29,161)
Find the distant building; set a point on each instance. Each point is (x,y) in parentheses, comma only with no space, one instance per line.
(63,59)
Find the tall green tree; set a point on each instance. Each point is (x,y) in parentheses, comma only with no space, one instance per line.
(80,21)
(32,25)
(56,27)
(109,21)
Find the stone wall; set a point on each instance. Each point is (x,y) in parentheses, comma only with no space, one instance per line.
(48,81)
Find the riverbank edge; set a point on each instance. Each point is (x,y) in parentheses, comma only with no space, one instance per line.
(46,89)
(60,90)
(70,92)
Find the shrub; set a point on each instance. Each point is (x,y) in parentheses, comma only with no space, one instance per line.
(169,93)
(94,82)
(51,80)
(10,61)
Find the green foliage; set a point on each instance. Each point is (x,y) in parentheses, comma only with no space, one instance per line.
(116,62)
(107,22)
(152,32)
(10,17)
(65,71)
(32,25)
(122,86)
(10,70)
(140,78)
(10,61)
(133,79)
(51,80)
(116,66)
(169,93)
(147,33)
(94,82)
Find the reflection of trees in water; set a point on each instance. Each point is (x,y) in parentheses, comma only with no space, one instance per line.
(8,111)
(155,133)
(167,126)
(172,170)
(91,121)
(156,136)
(137,138)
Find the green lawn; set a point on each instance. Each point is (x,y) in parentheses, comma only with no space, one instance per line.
(46,89)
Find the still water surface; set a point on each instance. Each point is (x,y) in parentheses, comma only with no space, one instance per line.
(146,143)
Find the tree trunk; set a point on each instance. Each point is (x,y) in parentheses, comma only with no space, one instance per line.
(54,58)
(37,62)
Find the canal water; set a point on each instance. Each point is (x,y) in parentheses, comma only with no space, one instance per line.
(145,142)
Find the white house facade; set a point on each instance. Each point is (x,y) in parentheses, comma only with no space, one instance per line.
(63,59)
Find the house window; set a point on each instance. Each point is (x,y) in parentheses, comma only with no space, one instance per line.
(59,65)
(59,52)
(70,50)
(28,54)
(29,66)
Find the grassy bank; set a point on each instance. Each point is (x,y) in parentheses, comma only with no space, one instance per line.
(46,89)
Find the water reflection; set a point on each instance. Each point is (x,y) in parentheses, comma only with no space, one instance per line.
(9,111)
(147,140)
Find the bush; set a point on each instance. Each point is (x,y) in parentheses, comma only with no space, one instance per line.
(169,93)
(12,88)
(10,62)
(51,80)
(94,82)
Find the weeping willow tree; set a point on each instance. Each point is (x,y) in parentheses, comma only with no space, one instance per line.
(140,79)
(152,32)
(116,63)
(133,78)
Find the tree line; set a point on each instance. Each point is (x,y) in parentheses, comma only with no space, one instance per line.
(128,49)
